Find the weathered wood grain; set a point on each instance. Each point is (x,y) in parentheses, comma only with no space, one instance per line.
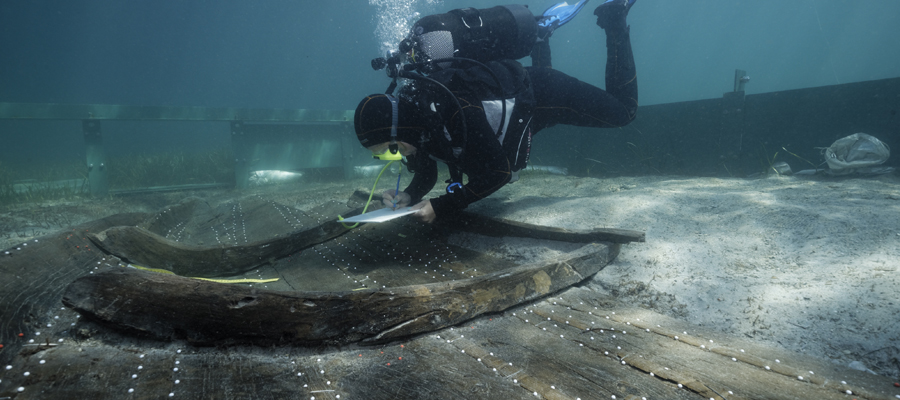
(172,307)
(33,276)
(560,347)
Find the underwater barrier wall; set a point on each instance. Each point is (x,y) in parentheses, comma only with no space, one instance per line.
(736,135)
(128,149)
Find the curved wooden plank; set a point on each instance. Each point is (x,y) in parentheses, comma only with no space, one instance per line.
(143,247)
(195,250)
(171,307)
(490,226)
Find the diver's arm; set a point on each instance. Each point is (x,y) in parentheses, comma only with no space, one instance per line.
(484,163)
(485,175)
(424,178)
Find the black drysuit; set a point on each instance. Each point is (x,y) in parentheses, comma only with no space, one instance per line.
(537,97)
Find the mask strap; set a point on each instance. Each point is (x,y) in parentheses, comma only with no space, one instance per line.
(395,114)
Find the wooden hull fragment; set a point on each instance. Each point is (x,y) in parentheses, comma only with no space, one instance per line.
(168,306)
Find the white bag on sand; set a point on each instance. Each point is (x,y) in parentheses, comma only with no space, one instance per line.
(858,152)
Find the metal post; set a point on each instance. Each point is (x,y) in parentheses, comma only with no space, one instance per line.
(731,141)
(98,173)
(241,158)
(740,79)
(349,147)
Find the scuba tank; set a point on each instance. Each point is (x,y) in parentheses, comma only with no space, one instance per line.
(502,32)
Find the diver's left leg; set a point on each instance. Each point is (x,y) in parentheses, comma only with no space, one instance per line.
(621,74)
(562,99)
(540,54)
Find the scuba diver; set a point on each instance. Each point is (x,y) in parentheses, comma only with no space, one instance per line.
(469,104)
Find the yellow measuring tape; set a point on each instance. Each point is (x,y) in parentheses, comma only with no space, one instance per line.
(163,271)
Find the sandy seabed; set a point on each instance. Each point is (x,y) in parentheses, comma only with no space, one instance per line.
(809,264)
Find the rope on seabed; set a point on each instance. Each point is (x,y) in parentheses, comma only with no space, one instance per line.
(164,271)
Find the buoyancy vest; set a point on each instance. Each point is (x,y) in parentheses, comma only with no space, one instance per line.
(476,84)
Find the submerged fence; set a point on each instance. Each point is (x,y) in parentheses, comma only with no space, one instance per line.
(736,135)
